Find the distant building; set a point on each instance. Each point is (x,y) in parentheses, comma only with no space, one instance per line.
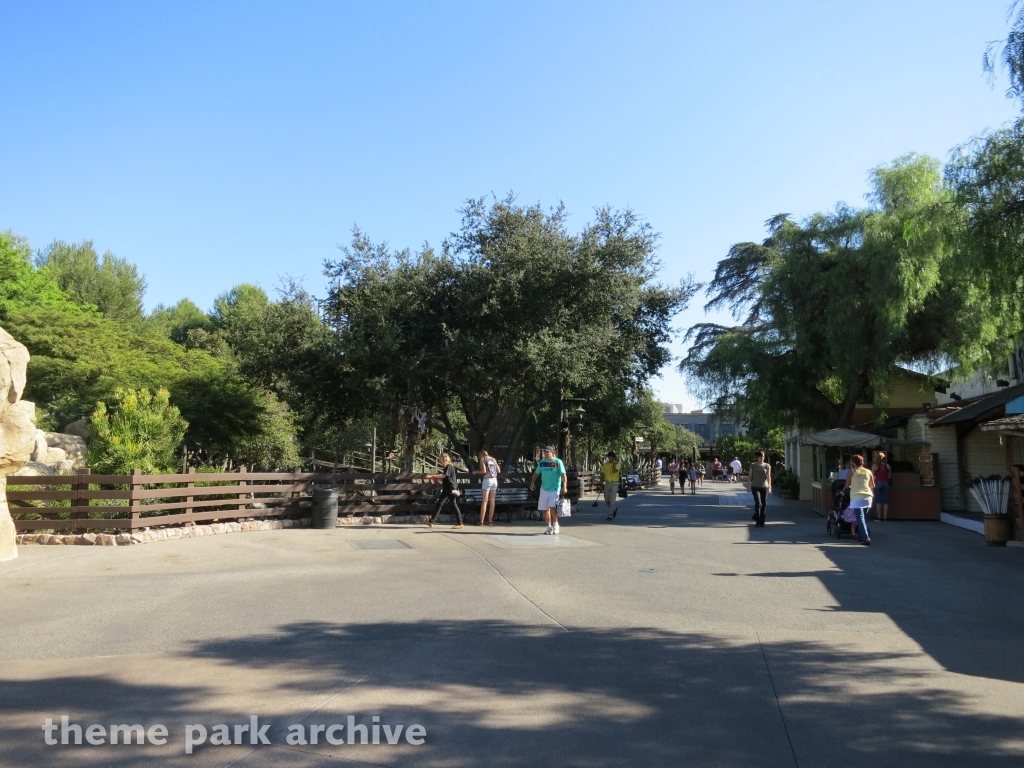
(707,425)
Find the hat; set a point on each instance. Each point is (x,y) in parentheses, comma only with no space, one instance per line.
(549,448)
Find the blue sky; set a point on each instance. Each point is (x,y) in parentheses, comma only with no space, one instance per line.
(223,142)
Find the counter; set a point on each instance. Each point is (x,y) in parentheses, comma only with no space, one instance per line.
(908,499)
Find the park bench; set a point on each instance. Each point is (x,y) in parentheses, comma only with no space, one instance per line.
(505,499)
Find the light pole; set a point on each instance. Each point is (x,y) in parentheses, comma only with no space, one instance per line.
(565,426)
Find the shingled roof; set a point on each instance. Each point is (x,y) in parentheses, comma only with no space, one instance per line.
(1005,424)
(977,410)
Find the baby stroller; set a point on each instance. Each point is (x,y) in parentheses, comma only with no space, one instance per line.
(837,525)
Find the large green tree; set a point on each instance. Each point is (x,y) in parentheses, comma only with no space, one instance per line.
(514,313)
(987,176)
(111,284)
(81,356)
(832,306)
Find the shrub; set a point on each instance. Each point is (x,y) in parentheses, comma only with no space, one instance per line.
(788,481)
(142,431)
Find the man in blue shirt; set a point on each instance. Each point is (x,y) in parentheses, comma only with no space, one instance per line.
(553,482)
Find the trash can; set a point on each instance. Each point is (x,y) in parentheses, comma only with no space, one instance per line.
(325,507)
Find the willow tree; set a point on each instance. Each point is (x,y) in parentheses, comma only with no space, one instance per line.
(831,307)
(987,175)
(514,311)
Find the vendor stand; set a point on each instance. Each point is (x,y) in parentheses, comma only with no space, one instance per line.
(1011,435)
(909,499)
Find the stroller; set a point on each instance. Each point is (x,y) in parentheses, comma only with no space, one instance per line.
(633,482)
(837,525)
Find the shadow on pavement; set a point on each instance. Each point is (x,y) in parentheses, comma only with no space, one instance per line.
(497,694)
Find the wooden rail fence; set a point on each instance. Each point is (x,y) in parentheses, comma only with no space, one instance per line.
(132,502)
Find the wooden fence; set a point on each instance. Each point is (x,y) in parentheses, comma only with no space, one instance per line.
(132,502)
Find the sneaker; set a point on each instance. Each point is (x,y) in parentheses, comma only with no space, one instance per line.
(554,528)
(456,527)
(615,512)
(866,542)
(548,531)
(430,523)
(610,517)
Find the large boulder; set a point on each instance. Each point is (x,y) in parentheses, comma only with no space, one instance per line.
(78,428)
(17,431)
(35,469)
(13,368)
(40,449)
(63,447)
(17,436)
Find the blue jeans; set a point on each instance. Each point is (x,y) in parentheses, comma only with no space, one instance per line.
(760,500)
(862,523)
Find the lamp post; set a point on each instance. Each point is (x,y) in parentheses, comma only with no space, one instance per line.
(565,426)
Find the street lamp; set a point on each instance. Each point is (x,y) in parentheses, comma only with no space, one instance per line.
(565,426)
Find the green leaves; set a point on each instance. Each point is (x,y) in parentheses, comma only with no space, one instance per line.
(140,431)
(832,306)
(514,311)
(112,285)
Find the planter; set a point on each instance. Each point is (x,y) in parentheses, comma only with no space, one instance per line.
(998,530)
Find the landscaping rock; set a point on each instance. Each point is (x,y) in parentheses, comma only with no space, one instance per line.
(17,431)
(78,428)
(34,469)
(40,447)
(72,446)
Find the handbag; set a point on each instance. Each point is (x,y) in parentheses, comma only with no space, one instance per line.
(564,507)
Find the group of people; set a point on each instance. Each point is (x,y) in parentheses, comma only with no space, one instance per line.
(690,474)
(550,471)
(867,487)
(687,472)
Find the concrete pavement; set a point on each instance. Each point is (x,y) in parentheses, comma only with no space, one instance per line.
(675,635)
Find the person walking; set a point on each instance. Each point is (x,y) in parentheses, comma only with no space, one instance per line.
(716,470)
(692,475)
(737,468)
(883,477)
(861,483)
(673,472)
(554,481)
(760,487)
(701,471)
(488,487)
(610,474)
(449,491)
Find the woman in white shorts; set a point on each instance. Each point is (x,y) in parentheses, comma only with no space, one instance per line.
(488,487)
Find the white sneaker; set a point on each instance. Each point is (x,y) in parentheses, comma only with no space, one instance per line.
(554,528)
(547,531)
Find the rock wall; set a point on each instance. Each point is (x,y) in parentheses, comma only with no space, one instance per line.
(18,438)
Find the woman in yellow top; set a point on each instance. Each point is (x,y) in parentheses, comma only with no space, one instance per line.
(861,483)
(610,473)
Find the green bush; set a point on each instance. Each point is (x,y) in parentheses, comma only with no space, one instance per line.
(788,481)
(142,431)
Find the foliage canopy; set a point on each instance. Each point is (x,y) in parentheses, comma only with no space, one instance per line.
(833,306)
(514,313)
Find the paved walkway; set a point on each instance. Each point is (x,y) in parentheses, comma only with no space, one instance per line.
(675,636)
